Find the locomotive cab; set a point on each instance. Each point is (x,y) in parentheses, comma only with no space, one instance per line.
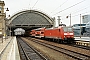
(68,34)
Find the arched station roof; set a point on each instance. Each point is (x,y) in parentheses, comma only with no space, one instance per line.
(31,18)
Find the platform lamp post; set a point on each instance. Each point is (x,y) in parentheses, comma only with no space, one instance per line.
(9,29)
(70,18)
(1,31)
(80,25)
(10,25)
(54,22)
(5,21)
(59,20)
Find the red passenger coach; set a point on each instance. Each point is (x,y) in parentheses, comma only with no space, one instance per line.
(32,33)
(39,32)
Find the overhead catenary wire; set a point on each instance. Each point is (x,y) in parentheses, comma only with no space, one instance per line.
(78,11)
(59,6)
(35,4)
(76,15)
(69,7)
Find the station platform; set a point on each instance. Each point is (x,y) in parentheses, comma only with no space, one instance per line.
(83,38)
(9,49)
(82,41)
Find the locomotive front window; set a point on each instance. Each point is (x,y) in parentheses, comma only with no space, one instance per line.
(67,29)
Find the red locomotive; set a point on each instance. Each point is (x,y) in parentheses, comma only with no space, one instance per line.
(59,34)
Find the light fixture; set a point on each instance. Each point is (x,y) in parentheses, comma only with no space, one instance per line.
(7,9)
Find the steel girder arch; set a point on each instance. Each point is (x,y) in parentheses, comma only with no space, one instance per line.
(31,14)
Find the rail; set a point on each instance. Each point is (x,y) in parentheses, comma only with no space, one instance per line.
(70,53)
(29,52)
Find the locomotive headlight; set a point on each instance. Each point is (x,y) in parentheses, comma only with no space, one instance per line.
(65,33)
(71,33)
(68,33)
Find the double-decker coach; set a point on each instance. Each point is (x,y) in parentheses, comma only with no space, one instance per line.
(32,33)
(38,32)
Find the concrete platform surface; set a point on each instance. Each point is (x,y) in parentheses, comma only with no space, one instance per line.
(4,43)
(83,38)
(9,49)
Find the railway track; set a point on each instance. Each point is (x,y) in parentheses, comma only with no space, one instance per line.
(70,53)
(80,46)
(27,52)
